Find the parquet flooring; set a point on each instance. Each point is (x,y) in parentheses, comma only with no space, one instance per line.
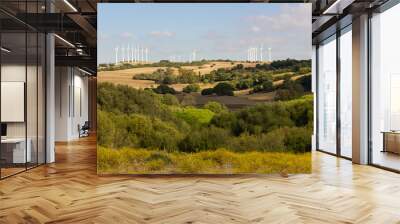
(69,191)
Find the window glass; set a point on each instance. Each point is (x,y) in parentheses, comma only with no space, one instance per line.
(327,95)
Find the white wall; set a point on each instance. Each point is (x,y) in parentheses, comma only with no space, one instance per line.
(71,94)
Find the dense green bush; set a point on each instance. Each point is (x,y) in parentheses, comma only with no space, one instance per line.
(244,84)
(169,99)
(195,116)
(205,138)
(305,82)
(263,118)
(289,90)
(164,89)
(191,88)
(207,91)
(215,107)
(120,130)
(140,118)
(224,89)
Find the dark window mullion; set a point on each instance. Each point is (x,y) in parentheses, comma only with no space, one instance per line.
(338,80)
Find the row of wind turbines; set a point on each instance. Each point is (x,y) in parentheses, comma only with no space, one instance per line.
(137,54)
(255,54)
(134,54)
(180,58)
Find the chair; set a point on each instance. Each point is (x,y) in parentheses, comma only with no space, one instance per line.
(84,130)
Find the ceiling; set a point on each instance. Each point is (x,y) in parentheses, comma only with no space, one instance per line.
(75,21)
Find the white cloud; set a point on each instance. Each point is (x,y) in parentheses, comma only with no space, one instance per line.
(290,17)
(161,34)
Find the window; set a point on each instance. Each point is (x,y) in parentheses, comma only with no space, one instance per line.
(327,95)
(385,89)
(346,92)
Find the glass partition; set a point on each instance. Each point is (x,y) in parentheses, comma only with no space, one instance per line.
(13,94)
(346,92)
(327,95)
(385,89)
(22,92)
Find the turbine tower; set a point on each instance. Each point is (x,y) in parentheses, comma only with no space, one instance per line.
(269,54)
(261,53)
(116,55)
(127,54)
(142,58)
(123,53)
(136,57)
(132,54)
(147,54)
(194,55)
(256,54)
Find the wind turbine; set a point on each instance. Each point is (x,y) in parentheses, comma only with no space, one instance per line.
(256,54)
(132,53)
(147,56)
(261,53)
(269,54)
(142,58)
(127,53)
(116,55)
(123,53)
(136,57)
(194,55)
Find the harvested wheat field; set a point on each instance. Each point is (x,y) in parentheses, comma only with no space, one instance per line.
(124,77)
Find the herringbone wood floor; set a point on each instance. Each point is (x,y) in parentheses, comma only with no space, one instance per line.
(69,191)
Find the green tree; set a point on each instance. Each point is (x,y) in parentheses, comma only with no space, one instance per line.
(191,88)
(164,89)
(224,89)
(215,107)
(207,91)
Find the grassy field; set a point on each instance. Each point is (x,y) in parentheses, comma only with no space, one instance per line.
(124,77)
(220,161)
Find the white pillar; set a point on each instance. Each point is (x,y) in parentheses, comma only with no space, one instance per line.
(314,91)
(360,90)
(116,55)
(50,98)
(132,54)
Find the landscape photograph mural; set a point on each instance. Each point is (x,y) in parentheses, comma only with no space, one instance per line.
(204,89)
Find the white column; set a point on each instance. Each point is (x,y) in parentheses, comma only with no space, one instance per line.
(132,54)
(360,90)
(50,98)
(314,91)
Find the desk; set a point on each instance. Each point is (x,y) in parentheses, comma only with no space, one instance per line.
(391,141)
(13,150)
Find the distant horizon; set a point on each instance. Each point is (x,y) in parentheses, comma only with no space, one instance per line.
(210,60)
(220,31)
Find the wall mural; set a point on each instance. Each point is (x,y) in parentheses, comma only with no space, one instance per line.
(204,88)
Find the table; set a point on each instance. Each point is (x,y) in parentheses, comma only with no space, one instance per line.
(13,150)
(391,141)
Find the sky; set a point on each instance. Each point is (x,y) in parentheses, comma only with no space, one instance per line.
(214,31)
